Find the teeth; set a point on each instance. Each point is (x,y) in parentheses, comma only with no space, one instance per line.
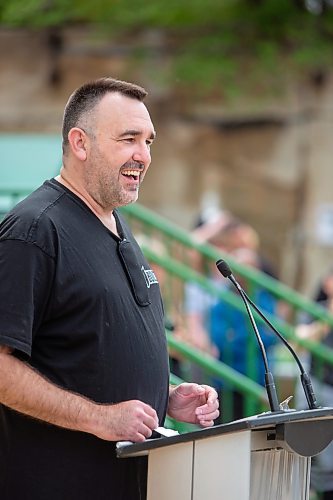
(131,172)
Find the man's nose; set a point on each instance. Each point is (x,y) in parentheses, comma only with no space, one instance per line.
(142,155)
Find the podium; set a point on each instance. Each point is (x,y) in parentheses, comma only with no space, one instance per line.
(264,457)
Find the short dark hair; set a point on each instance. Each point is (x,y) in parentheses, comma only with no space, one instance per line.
(85,98)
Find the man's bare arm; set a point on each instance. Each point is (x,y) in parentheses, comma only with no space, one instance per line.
(26,391)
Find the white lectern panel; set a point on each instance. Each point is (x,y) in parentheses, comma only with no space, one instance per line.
(170,473)
(222,467)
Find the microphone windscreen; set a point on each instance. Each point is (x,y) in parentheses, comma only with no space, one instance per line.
(223,267)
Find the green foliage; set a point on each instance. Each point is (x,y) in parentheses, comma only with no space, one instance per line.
(33,13)
(216,43)
(269,17)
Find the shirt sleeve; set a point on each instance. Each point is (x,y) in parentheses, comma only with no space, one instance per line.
(26,275)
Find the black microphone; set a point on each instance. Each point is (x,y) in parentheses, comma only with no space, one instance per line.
(305,379)
(225,270)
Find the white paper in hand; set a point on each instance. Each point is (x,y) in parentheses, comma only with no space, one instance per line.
(166,432)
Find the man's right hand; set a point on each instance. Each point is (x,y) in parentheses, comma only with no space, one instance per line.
(30,393)
(127,421)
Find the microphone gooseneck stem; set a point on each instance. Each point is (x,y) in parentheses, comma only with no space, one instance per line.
(261,314)
(305,379)
(225,270)
(271,392)
(269,381)
(309,392)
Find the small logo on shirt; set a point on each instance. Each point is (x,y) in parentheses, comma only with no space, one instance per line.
(150,277)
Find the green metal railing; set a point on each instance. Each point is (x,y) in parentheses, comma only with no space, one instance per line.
(187,274)
(155,225)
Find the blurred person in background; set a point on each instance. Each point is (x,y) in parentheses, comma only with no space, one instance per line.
(227,234)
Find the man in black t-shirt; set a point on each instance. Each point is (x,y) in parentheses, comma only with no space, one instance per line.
(83,358)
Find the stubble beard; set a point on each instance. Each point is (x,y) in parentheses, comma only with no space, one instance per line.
(103,183)
(113,194)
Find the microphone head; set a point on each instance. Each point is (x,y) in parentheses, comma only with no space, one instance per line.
(223,267)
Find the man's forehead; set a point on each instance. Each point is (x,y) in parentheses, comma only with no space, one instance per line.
(118,103)
(126,112)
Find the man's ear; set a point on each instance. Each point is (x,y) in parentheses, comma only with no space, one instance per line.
(78,143)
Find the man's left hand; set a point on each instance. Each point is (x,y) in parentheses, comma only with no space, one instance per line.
(193,403)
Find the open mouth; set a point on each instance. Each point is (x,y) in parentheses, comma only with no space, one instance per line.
(132,174)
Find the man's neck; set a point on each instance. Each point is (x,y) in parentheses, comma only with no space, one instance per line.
(106,217)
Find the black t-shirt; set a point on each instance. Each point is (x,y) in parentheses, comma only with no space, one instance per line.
(83,307)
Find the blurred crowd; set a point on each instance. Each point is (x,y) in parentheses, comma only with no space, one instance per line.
(216,327)
(210,324)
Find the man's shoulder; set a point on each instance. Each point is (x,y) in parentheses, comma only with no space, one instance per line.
(32,217)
